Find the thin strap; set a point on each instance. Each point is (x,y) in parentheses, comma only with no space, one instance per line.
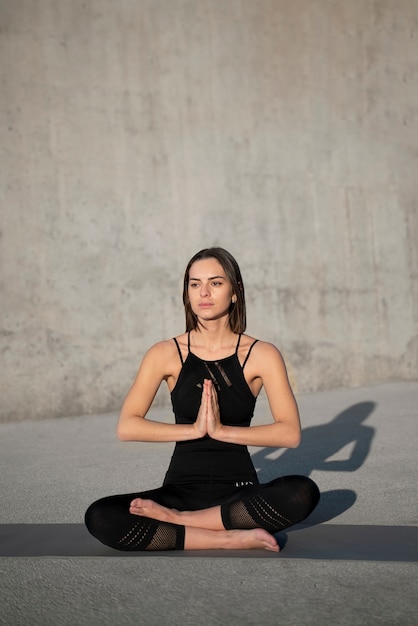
(239,339)
(249,352)
(178,348)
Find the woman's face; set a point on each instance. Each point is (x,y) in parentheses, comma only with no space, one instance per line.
(209,290)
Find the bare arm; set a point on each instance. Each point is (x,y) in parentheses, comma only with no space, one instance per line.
(285,430)
(132,423)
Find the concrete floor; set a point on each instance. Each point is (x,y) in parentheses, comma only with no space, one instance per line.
(354,561)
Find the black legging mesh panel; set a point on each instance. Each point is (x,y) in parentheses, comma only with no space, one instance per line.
(167,537)
(274,506)
(112,524)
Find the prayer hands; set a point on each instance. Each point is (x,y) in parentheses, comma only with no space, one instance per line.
(208,421)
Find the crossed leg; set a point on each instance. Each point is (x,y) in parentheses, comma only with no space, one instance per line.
(204,529)
(249,519)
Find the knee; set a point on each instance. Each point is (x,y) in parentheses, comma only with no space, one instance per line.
(109,521)
(105,523)
(306,488)
(93,517)
(306,493)
(315,494)
(103,516)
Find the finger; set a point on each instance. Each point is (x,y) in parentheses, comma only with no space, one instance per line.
(214,396)
(204,391)
(208,388)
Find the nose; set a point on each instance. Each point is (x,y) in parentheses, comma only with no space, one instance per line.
(204,290)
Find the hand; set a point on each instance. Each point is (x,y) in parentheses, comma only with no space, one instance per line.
(213,414)
(201,423)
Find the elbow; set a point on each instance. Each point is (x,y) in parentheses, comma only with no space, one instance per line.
(291,438)
(294,439)
(129,428)
(121,434)
(123,431)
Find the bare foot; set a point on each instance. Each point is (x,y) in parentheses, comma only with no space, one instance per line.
(149,508)
(258,538)
(205,538)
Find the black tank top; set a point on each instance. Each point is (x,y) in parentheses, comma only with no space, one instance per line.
(207,460)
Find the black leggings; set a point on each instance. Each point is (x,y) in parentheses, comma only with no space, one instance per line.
(273,506)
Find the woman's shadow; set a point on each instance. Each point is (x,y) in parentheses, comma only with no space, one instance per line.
(319,444)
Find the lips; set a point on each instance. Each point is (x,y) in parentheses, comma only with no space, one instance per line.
(205,305)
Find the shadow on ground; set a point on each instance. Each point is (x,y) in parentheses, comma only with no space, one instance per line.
(345,433)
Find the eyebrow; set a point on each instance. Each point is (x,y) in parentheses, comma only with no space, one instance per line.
(210,278)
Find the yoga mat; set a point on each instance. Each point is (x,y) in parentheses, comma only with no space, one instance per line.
(322,541)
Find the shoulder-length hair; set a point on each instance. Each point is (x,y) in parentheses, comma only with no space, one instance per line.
(237,312)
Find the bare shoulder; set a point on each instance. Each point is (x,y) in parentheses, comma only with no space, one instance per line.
(162,355)
(265,357)
(262,349)
(162,348)
(267,349)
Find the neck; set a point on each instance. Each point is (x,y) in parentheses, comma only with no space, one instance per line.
(213,338)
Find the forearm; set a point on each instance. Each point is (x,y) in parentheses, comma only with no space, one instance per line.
(276,435)
(136,428)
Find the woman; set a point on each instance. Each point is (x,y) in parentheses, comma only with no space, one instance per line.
(210,498)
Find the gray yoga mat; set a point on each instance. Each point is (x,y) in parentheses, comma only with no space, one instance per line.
(322,541)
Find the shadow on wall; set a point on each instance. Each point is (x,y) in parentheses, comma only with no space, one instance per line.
(319,444)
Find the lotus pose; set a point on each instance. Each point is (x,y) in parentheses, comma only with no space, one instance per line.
(211,497)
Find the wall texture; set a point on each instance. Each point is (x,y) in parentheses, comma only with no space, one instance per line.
(134,133)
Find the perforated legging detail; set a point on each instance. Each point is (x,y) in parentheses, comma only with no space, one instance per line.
(255,513)
(148,534)
(138,535)
(109,521)
(274,506)
(167,537)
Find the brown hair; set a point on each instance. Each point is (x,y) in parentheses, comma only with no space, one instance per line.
(237,311)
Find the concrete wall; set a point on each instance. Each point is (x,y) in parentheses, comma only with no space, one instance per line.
(135,132)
